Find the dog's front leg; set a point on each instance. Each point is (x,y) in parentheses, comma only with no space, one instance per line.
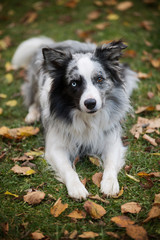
(113,160)
(58,157)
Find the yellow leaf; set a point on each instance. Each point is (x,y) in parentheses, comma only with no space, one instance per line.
(30,172)
(2,95)
(18,133)
(119,194)
(112,17)
(34,153)
(9,78)
(132,177)
(11,194)
(11,103)
(1,111)
(8,66)
(95,160)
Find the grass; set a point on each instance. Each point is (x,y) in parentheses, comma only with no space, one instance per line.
(24,219)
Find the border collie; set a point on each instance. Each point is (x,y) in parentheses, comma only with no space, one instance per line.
(81,92)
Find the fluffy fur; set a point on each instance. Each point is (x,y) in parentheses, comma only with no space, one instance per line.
(81,92)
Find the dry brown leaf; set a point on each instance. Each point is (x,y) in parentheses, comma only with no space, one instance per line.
(147,25)
(94,160)
(72,3)
(110,2)
(157,199)
(18,133)
(154,174)
(130,53)
(22,158)
(123,6)
(22,170)
(88,235)
(150,139)
(5,227)
(97,178)
(119,194)
(84,181)
(84,34)
(34,197)
(113,234)
(58,208)
(97,197)
(158,86)
(98,3)
(142,75)
(157,107)
(150,95)
(73,234)
(37,235)
(136,232)
(93,15)
(131,207)
(1,111)
(145,108)
(78,214)
(95,210)
(153,213)
(122,221)
(102,26)
(29,17)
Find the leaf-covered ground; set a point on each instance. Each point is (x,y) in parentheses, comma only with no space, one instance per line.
(33,205)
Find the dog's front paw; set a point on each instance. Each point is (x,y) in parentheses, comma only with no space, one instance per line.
(110,186)
(77,191)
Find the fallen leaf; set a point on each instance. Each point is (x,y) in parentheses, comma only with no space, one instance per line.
(9,78)
(8,66)
(22,170)
(22,158)
(84,181)
(123,6)
(142,75)
(153,213)
(85,35)
(58,208)
(102,26)
(158,86)
(155,63)
(144,108)
(35,153)
(34,197)
(98,3)
(119,194)
(78,214)
(150,139)
(154,174)
(110,2)
(147,25)
(136,232)
(88,235)
(37,235)
(11,103)
(113,235)
(143,174)
(157,199)
(97,178)
(94,160)
(132,177)
(128,168)
(5,227)
(95,210)
(29,17)
(2,95)
(18,133)
(112,17)
(157,107)
(93,15)
(72,3)
(148,184)
(11,194)
(130,53)
(73,235)
(131,207)
(1,111)
(122,221)
(150,95)
(97,197)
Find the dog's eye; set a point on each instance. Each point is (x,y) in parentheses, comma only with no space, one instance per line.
(99,80)
(73,84)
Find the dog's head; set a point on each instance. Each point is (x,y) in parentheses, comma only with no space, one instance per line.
(82,80)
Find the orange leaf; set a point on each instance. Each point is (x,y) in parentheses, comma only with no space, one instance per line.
(34,197)
(58,208)
(95,210)
(142,75)
(122,221)
(131,207)
(78,214)
(136,232)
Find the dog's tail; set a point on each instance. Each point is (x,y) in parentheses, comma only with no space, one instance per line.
(27,49)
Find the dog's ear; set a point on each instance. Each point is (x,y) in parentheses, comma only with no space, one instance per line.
(111,51)
(56,57)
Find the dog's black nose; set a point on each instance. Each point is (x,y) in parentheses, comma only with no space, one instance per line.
(90,103)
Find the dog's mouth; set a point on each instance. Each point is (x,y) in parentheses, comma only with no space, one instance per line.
(92,111)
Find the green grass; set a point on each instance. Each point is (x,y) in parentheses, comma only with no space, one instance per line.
(15,211)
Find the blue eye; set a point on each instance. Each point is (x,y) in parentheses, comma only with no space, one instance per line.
(74,84)
(99,80)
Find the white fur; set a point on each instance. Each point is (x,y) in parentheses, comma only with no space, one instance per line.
(27,49)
